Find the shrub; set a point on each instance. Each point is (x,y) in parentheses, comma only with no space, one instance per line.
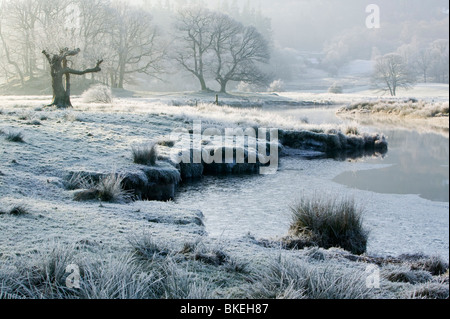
(97,94)
(145,155)
(276,86)
(336,89)
(330,223)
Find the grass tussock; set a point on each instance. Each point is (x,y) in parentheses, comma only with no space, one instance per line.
(295,279)
(15,137)
(430,290)
(78,181)
(108,189)
(432,264)
(146,248)
(145,155)
(46,276)
(18,211)
(330,223)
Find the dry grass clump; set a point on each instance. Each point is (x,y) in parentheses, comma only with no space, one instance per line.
(79,181)
(330,223)
(15,137)
(46,276)
(296,279)
(108,189)
(19,210)
(430,290)
(145,155)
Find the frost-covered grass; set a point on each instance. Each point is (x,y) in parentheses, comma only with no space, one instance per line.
(16,137)
(18,210)
(296,279)
(110,189)
(330,222)
(411,108)
(145,155)
(96,138)
(160,272)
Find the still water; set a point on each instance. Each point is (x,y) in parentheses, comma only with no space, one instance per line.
(404,194)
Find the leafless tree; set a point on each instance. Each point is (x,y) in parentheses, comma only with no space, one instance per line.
(135,43)
(22,16)
(9,60)
(238,50)
(60,69)
(440,56)
(423,63)
(391,73)
(194,38)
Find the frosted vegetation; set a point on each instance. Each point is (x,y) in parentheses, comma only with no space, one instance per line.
(92,185)
(411,108)
(199,270)
(150,262)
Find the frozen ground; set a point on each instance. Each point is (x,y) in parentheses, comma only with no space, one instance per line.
(99,137)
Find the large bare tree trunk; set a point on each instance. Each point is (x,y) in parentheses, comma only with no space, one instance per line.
(60,72)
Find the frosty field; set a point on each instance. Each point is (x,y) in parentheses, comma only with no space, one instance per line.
(242,216)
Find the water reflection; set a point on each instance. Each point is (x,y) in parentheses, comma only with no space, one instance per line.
(419,166)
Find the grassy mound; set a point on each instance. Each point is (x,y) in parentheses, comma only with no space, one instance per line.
(330,223)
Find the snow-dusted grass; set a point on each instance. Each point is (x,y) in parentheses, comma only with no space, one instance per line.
(149,269)
(411,108)
(110,189)
(145,155)
(296,279)
(330,222)
(97,138)
(16,137)
(19,210)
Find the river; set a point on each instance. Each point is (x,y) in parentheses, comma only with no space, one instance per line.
(404,194)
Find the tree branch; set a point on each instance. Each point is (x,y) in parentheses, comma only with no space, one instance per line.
(76,72)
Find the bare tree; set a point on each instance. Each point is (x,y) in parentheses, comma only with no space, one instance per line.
(440,56)
(60,69)
(23,15)
(423,63)
(135,44)
(195,37)
(391,73)
(8,56)
(238,50)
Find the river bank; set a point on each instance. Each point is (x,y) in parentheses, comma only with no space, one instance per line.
(98,138)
